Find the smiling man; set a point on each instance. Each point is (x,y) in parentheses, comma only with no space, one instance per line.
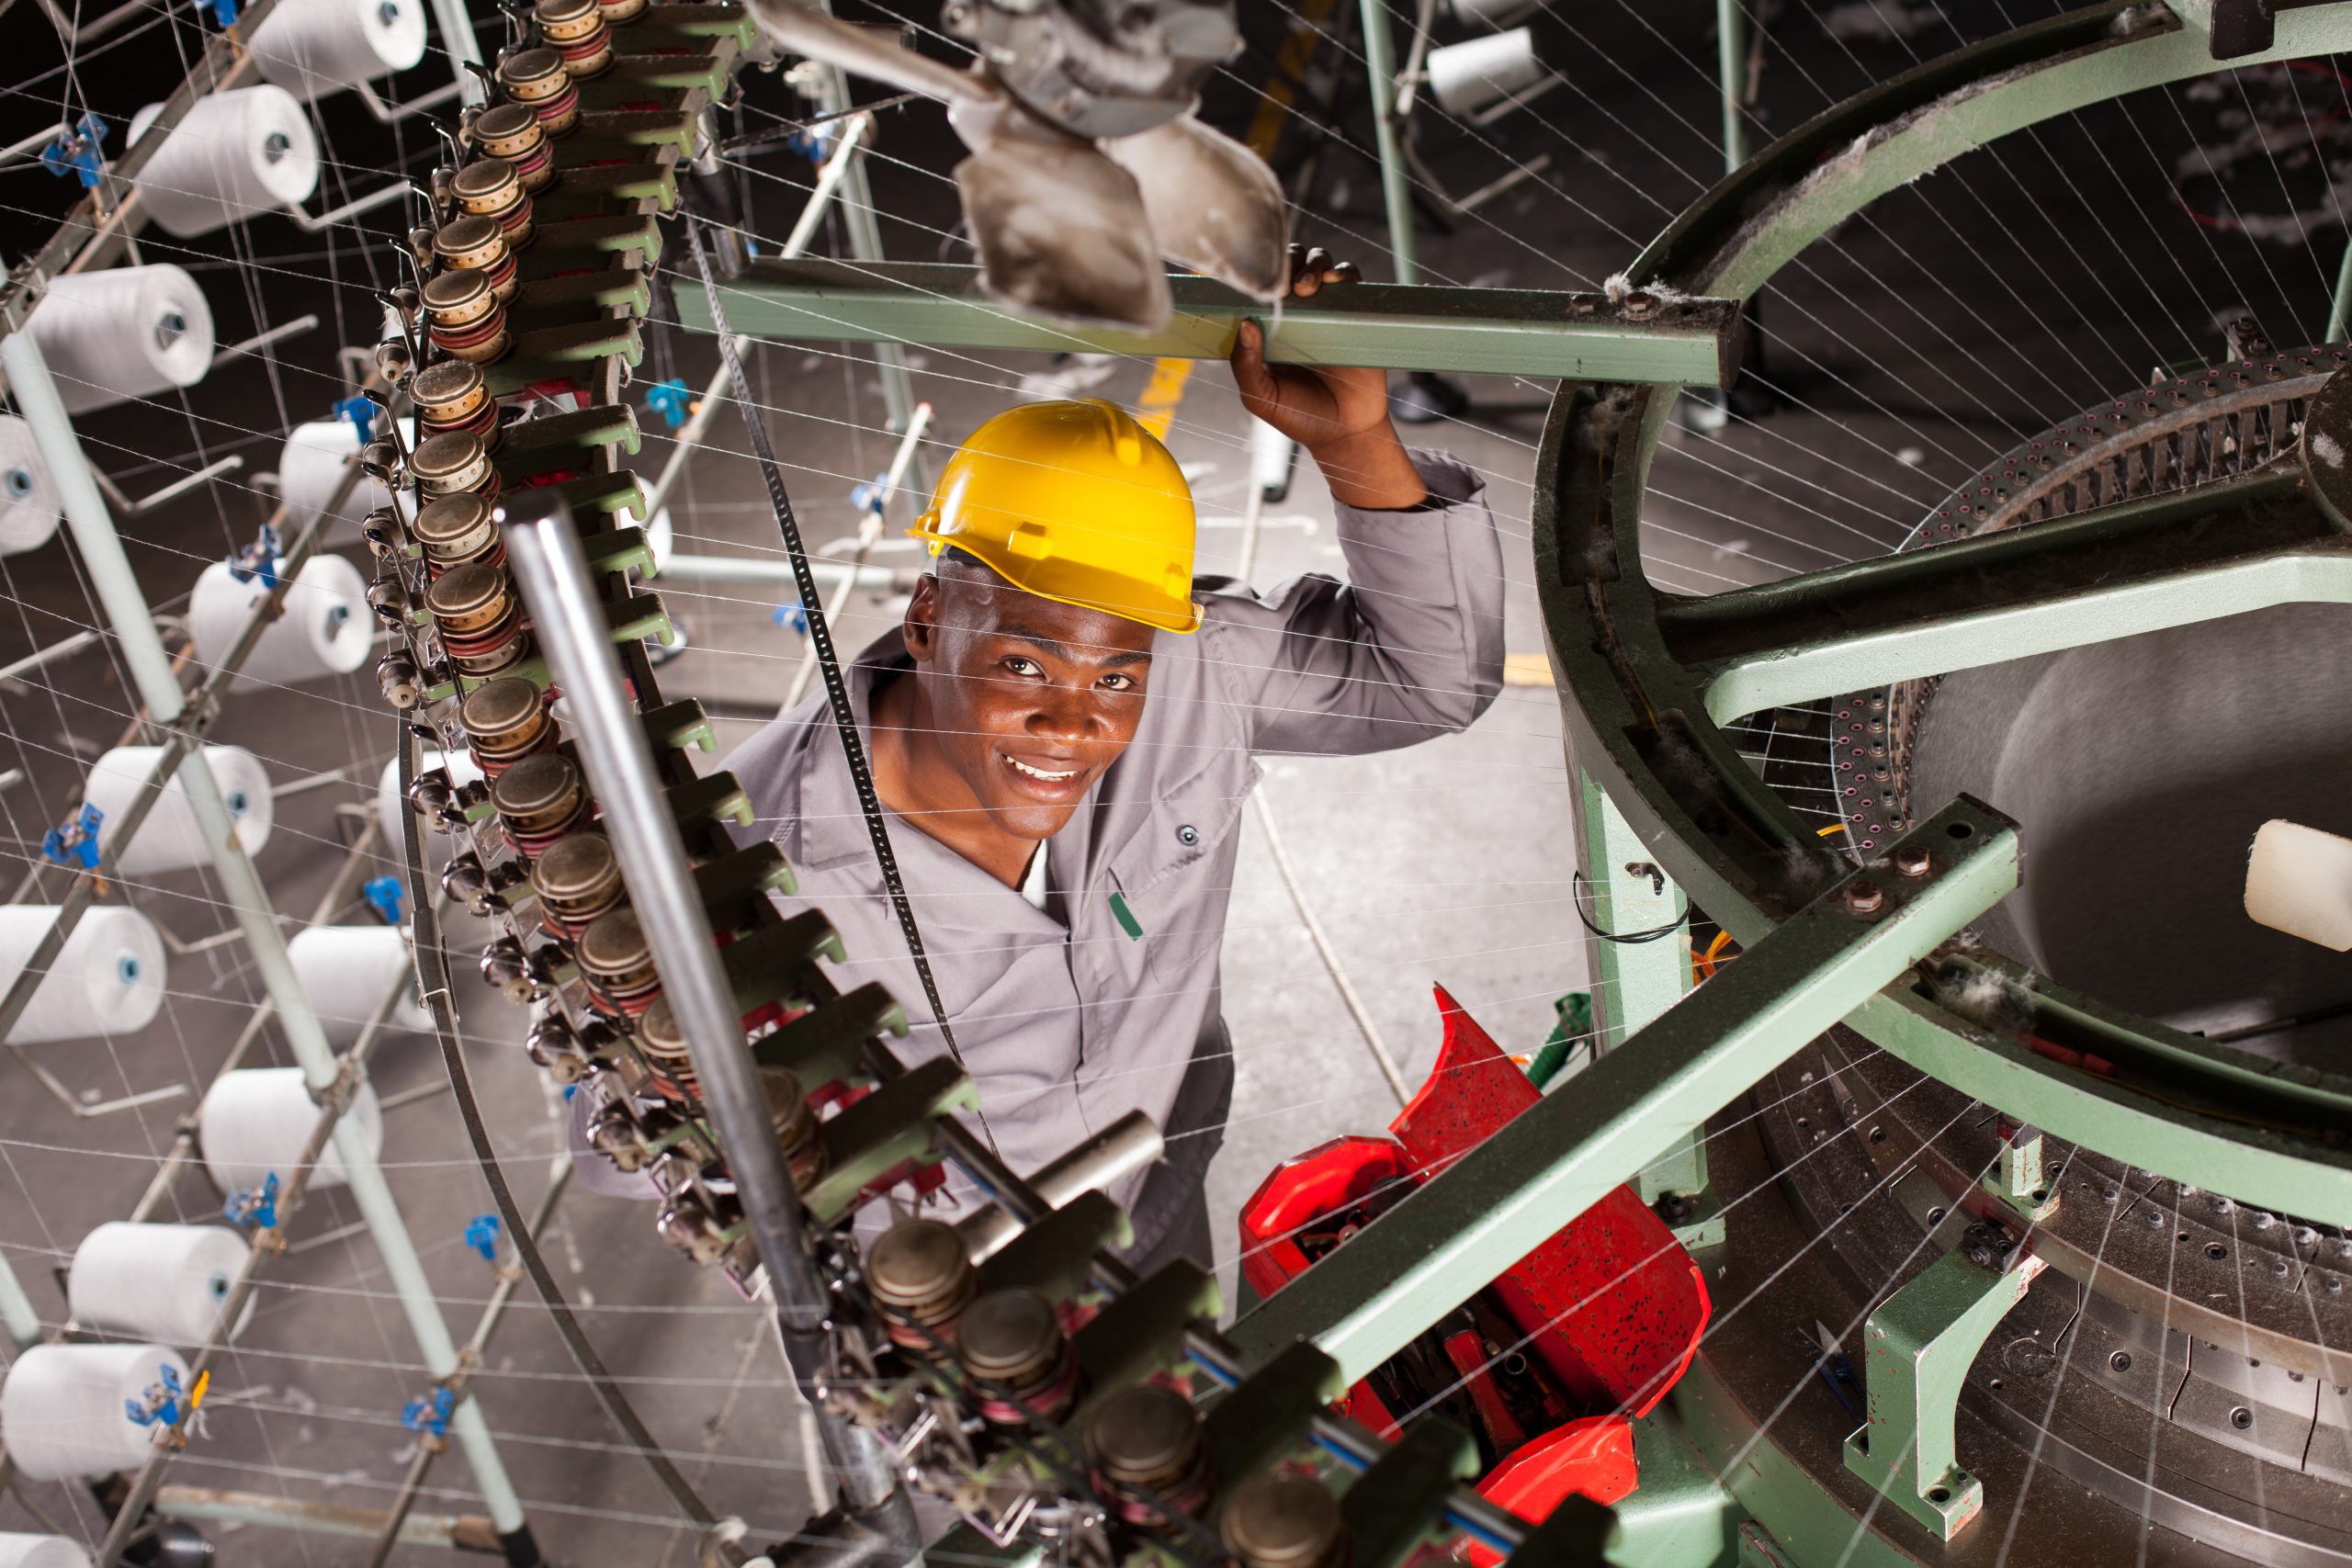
(1062,734)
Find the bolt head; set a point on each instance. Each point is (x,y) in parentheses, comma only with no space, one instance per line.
(1913,860)
(1865,897)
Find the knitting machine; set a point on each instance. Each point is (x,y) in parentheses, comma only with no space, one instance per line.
(1970,1215)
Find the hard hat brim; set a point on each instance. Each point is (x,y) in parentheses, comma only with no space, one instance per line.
(1066,582)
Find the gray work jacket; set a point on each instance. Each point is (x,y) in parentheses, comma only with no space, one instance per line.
(1068,1024)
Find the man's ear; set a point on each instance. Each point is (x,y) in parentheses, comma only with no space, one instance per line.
(920,627)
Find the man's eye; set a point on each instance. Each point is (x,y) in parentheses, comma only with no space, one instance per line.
(1020,666)
(1118,682)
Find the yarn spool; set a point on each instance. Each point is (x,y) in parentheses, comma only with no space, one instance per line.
(458,530)
(537,79)
(480,618)
(578,878)
(479,244)
(129,331)
(391,810)
(166,1283)
(494,188)
(61,1408)
(257,1121)
(243,153)
(468,320)
(108,979)
(504,720)
(41,1551)
(317,46)
(325,630)
(28,503)
(575,30)
(513,132)
(1468,76)
(449,396)
(452,462)
(311,464)
(540,800)
(170,840)
(347,971)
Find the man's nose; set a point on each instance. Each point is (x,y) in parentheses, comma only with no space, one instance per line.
(1065,714)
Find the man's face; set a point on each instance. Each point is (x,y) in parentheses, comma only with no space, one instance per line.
(1030,700)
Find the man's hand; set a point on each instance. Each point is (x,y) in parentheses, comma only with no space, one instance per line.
(1339,413)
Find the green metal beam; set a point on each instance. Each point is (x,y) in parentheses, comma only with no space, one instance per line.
(1365,1301)
(1499,331)
(2140,565)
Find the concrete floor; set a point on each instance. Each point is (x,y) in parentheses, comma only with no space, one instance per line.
(1914,344)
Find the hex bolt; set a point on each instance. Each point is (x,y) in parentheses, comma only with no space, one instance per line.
(1913,860)
(1865,897)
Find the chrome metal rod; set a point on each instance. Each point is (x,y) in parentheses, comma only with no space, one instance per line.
(1380,66)
(279,334)
(467,1532)
(49,655)
(571,628)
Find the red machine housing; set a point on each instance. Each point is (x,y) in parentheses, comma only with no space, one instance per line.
(1610,1305)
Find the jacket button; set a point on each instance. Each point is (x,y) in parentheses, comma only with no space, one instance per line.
(1188,835)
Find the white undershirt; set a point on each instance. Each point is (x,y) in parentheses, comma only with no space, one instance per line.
(1033,881)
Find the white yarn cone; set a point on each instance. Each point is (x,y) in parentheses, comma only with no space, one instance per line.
(108,979)
(326,628)
(346,972)
(243,153)
(311,464)
(391,811)
(1466,77)
(28,506)
(257,1121)
(166,1283)
(61,1408)
(317,46)
(129,331)
(170,840)
(41,1551)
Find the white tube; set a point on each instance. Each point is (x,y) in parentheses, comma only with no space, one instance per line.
(348,970)
(1465,77)
(247,152)
(311,464)
(391,810)
(317,46)
(127,333)
(255,1121)
(170,839)
(41,1551)
(166,1283)
(28,505)
(326,628)
(61,1410)
(108,979)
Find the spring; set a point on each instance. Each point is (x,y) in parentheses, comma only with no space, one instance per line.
(449,396)
(494,188)
(477,245)
(512,133)
(505,720)
(469,318)
(575,28)
(535,78)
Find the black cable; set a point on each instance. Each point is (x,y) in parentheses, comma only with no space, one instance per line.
(433,984)
(821,638)
(1576,879)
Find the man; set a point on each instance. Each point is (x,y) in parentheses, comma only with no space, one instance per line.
(1062,730)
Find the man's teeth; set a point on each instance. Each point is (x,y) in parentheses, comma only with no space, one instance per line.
(1040,772)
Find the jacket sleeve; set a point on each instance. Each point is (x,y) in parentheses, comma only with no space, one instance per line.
(1409,647)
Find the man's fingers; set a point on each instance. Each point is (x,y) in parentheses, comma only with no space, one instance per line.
(1250,373)
(1342,271)
(1309,273)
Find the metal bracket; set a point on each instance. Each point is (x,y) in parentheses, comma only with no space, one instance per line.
(1918,1348)
(2019,1179)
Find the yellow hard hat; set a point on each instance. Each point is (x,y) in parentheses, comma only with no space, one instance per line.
(1073,502)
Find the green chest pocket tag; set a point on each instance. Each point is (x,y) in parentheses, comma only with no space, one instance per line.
(1128,921)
